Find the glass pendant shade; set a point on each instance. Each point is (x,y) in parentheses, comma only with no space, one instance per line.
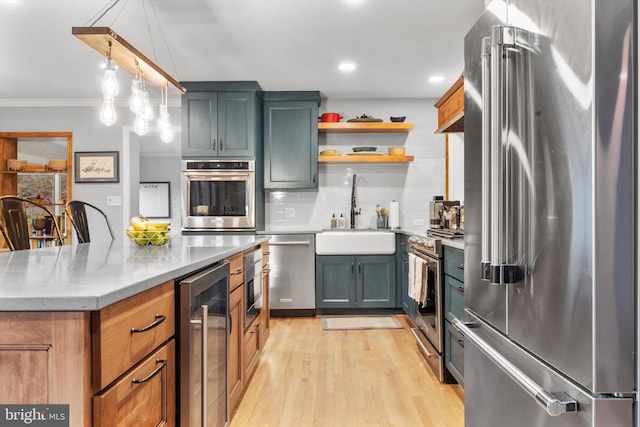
(110,86)
(147,112)
(136,102)
(140,125)
(108,112)
(166,131)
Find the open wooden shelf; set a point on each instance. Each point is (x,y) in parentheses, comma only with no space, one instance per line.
(361,127)
(364,159)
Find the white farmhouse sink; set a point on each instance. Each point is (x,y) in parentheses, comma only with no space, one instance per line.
(355,242)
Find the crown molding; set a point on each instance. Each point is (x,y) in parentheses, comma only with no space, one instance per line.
(173,102)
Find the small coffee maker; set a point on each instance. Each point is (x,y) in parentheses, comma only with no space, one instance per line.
(435,212)
(437,218)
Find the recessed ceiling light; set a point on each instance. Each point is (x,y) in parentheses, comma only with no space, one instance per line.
(346,67)
(436,79)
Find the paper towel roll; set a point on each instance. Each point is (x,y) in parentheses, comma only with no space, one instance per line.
(394,214)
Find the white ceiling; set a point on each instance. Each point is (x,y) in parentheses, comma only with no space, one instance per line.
(282,44)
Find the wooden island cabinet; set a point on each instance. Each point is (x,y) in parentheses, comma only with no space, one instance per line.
(94,361)
(104,341)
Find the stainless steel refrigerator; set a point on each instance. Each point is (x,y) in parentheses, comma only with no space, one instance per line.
(550,328)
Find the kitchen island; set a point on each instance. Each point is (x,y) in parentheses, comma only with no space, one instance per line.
(63,311)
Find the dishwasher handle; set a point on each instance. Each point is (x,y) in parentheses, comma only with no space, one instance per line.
(292,243)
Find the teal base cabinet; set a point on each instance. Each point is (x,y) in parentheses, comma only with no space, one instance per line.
(291,140)
(361,281)
(221,120)
(453,306)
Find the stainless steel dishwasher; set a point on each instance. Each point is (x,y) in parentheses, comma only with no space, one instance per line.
(292,280)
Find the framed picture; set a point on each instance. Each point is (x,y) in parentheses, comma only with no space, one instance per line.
(155,199)
(96,166)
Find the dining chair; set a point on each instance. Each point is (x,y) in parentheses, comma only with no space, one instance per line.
(5,237)
(76,209)
(14,212)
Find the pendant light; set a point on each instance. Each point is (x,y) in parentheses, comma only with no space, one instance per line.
(108,112)
(166,131)
(106,41)
(136,103)
(110,89)
(110,86)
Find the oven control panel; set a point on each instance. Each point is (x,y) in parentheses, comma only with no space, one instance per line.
(427,245)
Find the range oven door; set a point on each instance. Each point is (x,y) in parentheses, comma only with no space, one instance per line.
(429,315)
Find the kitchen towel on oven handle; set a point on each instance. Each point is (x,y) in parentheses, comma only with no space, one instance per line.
(417,268)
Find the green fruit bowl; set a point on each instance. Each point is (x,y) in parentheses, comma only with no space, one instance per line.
(149,238)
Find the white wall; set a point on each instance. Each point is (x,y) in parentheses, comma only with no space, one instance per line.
(412,184)
(91,135)
(456,167)
(164,168)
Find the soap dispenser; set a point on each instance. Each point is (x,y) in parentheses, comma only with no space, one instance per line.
(341,222)
(334,221)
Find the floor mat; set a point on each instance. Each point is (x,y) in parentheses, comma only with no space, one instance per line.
(360,322)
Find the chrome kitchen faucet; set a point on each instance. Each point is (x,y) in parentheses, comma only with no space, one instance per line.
(354,211)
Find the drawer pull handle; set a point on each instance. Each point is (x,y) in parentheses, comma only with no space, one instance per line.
(163,363)
(238,271)
(461,288)
(159,319)
(461,267)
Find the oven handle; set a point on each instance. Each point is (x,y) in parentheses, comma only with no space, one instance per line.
(216,175)
(419,341)
(553,403)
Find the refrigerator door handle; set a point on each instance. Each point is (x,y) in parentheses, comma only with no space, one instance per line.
(486,159)
(504,45)
(553,403)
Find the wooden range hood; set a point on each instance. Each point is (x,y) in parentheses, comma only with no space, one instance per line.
(451,109)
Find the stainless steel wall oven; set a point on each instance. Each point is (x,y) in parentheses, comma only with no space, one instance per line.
(218,195)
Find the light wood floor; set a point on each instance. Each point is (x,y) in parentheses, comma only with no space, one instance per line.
(313,378)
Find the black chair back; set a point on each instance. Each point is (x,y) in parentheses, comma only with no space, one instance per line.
(76,209)
(5,237)
(14,212)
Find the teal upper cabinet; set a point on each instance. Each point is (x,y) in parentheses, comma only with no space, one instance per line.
(220,119)
(291,140)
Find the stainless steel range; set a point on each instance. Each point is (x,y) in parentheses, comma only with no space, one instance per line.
(425,277)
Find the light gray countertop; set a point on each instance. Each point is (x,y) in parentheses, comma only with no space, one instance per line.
(91,276)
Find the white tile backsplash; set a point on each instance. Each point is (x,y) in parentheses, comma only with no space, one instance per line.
(412,184)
